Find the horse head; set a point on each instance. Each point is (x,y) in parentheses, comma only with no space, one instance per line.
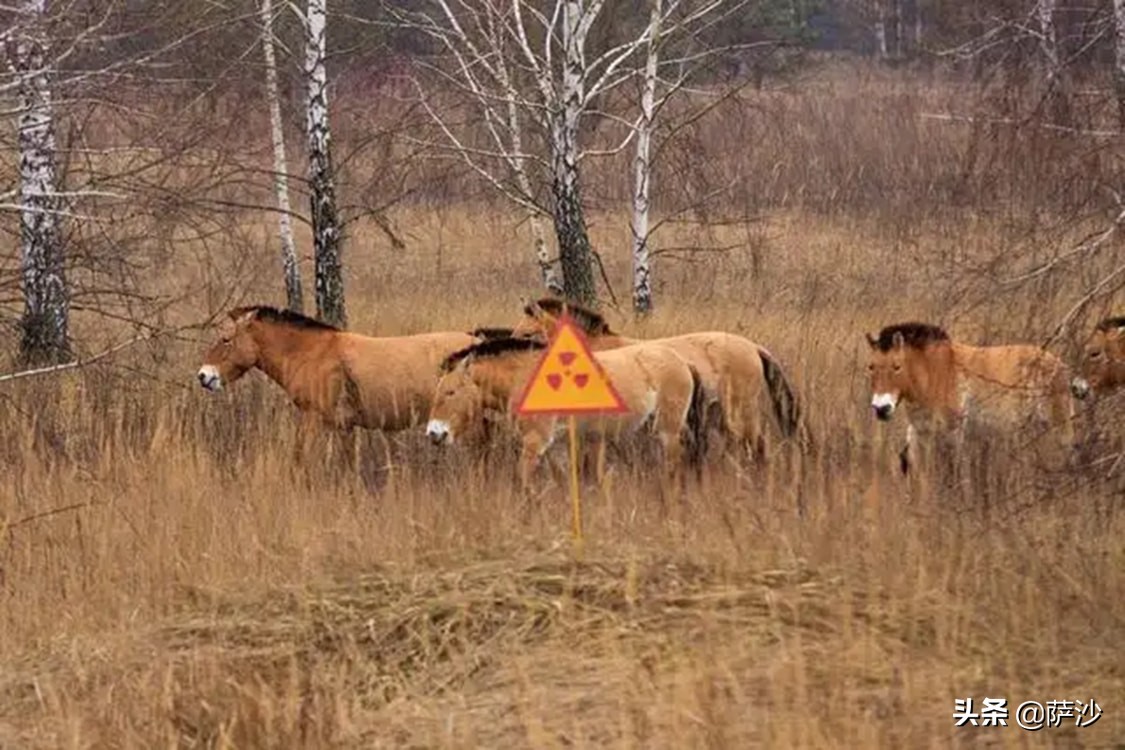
(457,412)
(233,354)
(909,362)
(1103,360)
(889,375)
(536,322)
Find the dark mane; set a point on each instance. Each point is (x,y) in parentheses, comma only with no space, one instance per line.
(588,320)
(285,317)
(1110,324)
(488,333)
(491,348)
(914,335)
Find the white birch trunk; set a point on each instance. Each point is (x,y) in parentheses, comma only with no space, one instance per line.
(881,38)
(918,26)
(1048,40)
(1119,59)
(46,317)
(547,271)
(292,270)
(326,229)
(1052,61)
(570,222)
(642,170)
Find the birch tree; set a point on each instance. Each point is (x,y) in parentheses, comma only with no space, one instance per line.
(533,69)
(327,249)
(1119,59)
(292,271)
(1052,59)
(642,168)
(45,325)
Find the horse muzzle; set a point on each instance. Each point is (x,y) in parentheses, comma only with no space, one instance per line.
(438,432)
(209,378)
(883,405)
(1080,388)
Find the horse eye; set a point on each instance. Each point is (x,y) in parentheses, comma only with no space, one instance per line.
(1095,355)
(898,368)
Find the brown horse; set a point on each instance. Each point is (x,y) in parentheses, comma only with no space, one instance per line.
(735,371)
(942,384)
(657,386)
(335,378)
(1102,369)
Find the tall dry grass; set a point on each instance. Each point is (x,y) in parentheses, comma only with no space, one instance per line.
(169,578)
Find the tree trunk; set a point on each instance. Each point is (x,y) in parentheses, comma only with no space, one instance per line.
(293,292)
(918,26)
(575,256)
(325,221)
(45,338)
(1052,61)
(642,171)
(547,272)
(1119,59)
(880,37)
(896,25)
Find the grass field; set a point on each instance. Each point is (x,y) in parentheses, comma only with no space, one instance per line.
(168,579)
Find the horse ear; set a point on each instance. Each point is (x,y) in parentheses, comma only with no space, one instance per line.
(899,341)
(245,317)
(537,312)
(872,341)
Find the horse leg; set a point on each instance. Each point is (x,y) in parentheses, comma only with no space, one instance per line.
(673,450)
(535,442)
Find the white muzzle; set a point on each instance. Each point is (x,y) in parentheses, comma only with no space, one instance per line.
(437,430)
(209,378)
(1080,387)
(883,404)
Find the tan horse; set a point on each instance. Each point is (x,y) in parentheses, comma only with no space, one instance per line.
(657,386)
(335,378)
(1102,369)
(941,384)
(734,370)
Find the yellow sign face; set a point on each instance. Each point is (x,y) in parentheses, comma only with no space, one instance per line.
(568,380)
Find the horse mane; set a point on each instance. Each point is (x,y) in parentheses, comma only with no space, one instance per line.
(914,335)
(590,321)
(1109,324)
(285,317)
(489,333)
(491,348)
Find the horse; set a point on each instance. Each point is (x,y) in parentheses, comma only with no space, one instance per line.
(658,387)
(1102,368)
(942,384)
(734,370)
(335,378)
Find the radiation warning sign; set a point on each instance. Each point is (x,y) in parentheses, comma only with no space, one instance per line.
(568,380)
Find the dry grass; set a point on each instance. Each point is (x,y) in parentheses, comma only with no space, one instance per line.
(168,579)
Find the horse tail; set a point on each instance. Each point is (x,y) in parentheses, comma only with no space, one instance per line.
(785,405)
(696,433)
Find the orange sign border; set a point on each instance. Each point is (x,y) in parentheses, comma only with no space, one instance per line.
(565,321)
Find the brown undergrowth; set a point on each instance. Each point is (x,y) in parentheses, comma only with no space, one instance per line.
(169,578)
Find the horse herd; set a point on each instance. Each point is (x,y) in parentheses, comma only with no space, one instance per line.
(462,385)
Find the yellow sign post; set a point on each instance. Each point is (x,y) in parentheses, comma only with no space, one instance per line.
(568,381)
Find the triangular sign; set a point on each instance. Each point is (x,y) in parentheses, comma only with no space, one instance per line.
(568,379)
